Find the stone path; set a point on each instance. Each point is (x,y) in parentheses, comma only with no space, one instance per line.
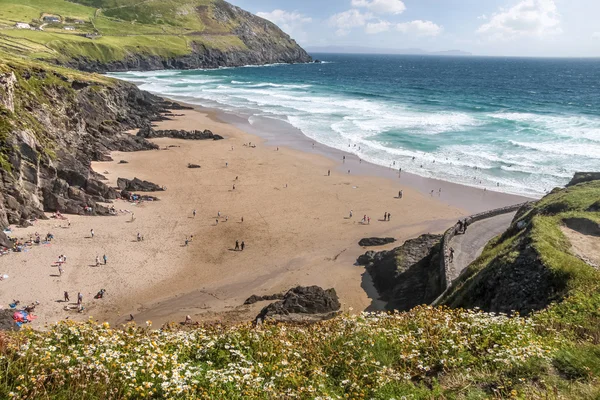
(469,246)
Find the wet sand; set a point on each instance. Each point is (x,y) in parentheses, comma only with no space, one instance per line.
(296,228)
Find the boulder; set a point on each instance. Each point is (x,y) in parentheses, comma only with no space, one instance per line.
(370,242)
(4,240)
(138,185)
(123,162)
(7,323)
(193,166)
(301,301)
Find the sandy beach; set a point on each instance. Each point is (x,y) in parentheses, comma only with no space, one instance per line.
(296,228)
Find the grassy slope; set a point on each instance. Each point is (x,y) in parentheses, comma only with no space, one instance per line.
(151,27)
(422,354)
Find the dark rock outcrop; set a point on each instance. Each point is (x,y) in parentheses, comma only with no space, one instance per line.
(4,240)
(371,242)
(303,303)
(7,323)
(193,166)
(255,299)
(138,185)
(409,275)
(582,177)
(148,132)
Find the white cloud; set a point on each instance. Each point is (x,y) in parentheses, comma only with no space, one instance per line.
(345,21)
(381,6)
(290,22)
(377,27)
(596,35)
(483,17)
(527,18)
(420,28)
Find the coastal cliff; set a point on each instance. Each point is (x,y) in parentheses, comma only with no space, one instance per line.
(53,124)
(122,35)
(542,259)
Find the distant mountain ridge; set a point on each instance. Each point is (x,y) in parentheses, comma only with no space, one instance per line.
(119,35)
(375,50)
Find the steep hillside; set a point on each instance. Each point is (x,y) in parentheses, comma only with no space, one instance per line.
(118,35)
(533,264)
(53,123)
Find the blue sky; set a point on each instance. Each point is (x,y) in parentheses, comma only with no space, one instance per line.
(564,28)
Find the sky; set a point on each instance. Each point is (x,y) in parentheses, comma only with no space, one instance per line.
(539,28)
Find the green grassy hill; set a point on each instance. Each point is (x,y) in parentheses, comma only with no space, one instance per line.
(143,34)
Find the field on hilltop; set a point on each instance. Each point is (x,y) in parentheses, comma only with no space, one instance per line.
(142,34)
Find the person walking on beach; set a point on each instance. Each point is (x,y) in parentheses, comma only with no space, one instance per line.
(187,241)
(60,269)
(218,214)
(344,159)
(368,220)
(351,213)
(237,245)
(217,221)
(400,194)
(328,172)
(66,296)
(385,216)
(97,261)
(105,259)
(234,186)
(243,245)
(132,217)
(242,219)
(389,216)
(92,233)
(79,298)
(139,237)
(451,256)
(194,213)
(226,164)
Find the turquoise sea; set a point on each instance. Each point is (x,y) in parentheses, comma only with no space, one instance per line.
(516,125)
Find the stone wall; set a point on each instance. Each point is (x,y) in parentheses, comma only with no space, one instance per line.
(446,267)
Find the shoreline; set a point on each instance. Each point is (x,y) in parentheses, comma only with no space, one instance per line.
(282,134)
(296,235)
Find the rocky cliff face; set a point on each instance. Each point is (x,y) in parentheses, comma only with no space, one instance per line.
(52,125)
(409,275)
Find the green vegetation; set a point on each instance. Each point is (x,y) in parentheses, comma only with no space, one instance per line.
(421,354)
(163,28)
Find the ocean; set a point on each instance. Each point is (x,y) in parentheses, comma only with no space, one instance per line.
(515,125)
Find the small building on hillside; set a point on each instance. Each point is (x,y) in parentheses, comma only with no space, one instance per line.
(79,22)
(50,19)
(69,28)
(22,25)
(92,35)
